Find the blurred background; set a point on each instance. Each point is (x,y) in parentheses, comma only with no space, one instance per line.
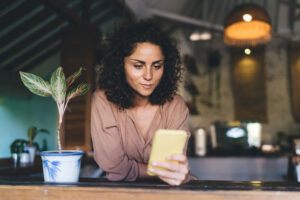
(241,84)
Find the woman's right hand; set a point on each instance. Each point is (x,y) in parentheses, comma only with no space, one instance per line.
(173,173)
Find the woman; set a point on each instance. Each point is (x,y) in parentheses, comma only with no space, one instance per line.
(138,82)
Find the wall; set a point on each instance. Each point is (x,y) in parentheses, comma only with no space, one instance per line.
(17,113)
(278,93)
(278,96)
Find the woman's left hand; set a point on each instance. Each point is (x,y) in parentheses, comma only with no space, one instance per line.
(176,173)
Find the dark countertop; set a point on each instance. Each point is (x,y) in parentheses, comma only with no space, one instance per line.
(24,176)
(157,184)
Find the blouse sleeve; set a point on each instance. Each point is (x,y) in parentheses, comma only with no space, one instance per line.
(107,142)
(177,115)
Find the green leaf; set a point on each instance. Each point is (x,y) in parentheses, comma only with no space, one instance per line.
(58,85)
(73,77)
(36,84)
(33,132)
(81,89)
(17,143)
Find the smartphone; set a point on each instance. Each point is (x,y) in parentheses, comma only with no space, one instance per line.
(166,142)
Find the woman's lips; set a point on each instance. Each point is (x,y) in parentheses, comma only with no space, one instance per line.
(147,86)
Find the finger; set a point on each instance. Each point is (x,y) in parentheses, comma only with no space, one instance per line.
(167,174)
(175,167)
(178,157)
(170,181)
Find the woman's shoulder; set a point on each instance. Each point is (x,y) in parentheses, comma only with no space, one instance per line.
(175,113)
(100,97)
(176,102)
(103,110)
(99,93)
(178,98)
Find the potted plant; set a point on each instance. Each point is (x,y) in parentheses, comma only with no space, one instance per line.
(59,165)
(32,132)
(19,145)
(16,148)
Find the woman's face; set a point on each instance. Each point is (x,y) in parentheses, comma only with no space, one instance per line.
(144,68)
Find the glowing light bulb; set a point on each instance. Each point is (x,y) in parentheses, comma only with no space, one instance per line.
(195,36)
(247,51)
(247,17)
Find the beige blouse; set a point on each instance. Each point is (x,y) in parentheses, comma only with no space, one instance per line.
(118,144)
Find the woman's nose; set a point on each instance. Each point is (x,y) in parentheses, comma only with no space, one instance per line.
(148,74)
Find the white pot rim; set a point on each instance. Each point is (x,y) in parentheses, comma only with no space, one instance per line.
(62,153)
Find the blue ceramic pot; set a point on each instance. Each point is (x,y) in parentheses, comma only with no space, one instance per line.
(61,167)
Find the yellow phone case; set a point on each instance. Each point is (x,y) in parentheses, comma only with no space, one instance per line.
(166,142)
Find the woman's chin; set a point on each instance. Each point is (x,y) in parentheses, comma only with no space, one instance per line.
(144,94)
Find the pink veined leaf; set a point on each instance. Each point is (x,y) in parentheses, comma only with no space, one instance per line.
(58,85)
(73,77)
(81,89)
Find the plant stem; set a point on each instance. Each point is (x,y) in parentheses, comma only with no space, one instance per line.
(58,136)
(60,119)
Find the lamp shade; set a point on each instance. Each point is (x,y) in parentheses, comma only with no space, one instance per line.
(247,25)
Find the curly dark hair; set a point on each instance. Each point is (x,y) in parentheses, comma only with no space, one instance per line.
(121,44)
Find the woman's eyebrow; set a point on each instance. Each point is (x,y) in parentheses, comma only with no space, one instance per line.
(155,62)
(143,62)
(139,61)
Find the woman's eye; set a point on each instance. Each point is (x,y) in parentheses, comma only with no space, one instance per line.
(157,66)
(138,66)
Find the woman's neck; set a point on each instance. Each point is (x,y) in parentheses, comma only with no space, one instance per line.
(141,102)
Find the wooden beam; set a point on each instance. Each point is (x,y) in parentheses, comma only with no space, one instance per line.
(32,23)
(40,32)
(86,10)
(7,6)
(51,51)
(33,20)
(20,60)
(66,12)
(107,15)
(14,12)
(185,20)
(139,8)
(48,26)
(26,41)
(101,9)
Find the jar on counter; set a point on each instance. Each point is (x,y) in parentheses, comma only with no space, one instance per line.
(200,142)
(15,155)
(24,157)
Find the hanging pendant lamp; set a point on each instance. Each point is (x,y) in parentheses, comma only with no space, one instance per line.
(247,25)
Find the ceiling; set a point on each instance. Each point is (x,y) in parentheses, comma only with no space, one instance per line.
(191,15)
(31,29)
